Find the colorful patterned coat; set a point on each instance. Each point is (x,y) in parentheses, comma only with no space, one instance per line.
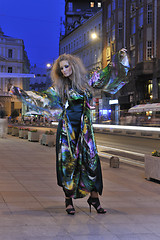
(78,165)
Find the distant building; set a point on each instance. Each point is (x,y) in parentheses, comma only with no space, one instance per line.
(42,79)
(83,43)
(13,59)
(78,11)
(83,38)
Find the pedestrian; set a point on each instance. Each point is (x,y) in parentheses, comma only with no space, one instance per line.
(77,161)
(3,123)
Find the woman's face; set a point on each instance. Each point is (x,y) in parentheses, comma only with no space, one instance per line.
(66,68)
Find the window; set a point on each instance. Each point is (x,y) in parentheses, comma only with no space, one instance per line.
(113,33)
(133,26)
(99,29)
(87,35)
(99,4)
(132,54)
(141,17)
(140,33)
(120,3)
(9,69)
(109,11)
(113,48)
(10,53)
(113,5)
(132,40)
(120,30)
(149,50)
(70,7)
(140,52)
(109,40)
(91,4)
(150,87)
(149,13)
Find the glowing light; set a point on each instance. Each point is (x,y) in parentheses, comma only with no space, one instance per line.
(94,35)
(48,65)
(114,101)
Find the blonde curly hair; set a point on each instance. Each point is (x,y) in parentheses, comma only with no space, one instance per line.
(79,79)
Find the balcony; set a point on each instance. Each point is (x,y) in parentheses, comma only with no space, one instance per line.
(145,67)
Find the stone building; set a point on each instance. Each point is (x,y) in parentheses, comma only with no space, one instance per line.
(135,26)
(13,60)
(78,11)
(85,42)
(41,79)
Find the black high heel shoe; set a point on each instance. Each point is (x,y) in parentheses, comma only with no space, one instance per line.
(95,203)
(68,202)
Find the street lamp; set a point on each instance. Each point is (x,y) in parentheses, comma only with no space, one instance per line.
(48,65)
(93,35)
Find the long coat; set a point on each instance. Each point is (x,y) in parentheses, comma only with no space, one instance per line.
(78,165)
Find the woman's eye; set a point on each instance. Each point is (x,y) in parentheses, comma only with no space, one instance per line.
(66,66)
(61,68)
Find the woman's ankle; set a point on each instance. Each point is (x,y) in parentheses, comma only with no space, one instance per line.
(94,194)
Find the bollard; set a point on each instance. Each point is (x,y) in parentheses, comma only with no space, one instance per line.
(114,162)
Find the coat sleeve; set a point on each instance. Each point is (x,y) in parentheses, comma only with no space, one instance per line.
(114,76)
(44,101)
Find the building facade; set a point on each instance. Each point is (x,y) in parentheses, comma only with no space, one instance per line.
(13,59)
(134,24)
(41,80)
(78,11)
(85,42)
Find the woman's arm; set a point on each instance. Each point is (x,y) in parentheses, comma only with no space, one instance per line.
(44,101)
(114,75)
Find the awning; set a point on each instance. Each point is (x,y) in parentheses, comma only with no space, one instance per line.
(145,107)
(32,113)
(16,75)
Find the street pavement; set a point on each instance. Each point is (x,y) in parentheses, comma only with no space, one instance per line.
(32,205)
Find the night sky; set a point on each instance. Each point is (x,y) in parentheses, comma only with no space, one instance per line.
(37,22)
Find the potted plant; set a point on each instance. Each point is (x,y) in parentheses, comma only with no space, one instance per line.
(33,135)
(152,165)
(15,131)
(48,138)
(9,129)
(23,133)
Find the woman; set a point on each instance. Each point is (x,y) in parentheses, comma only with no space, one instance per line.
(78,165)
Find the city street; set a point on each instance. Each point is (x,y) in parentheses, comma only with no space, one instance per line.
(32,205)
(129,149)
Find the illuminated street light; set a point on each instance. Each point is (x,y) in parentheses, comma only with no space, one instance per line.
(48,65)
(94,35)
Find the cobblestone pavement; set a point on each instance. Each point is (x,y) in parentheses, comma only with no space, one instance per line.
(32,205)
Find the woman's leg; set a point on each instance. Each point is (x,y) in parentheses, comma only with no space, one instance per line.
(69,203)
(69,206)
(93,200)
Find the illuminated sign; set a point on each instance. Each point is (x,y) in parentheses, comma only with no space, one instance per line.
(114,101)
